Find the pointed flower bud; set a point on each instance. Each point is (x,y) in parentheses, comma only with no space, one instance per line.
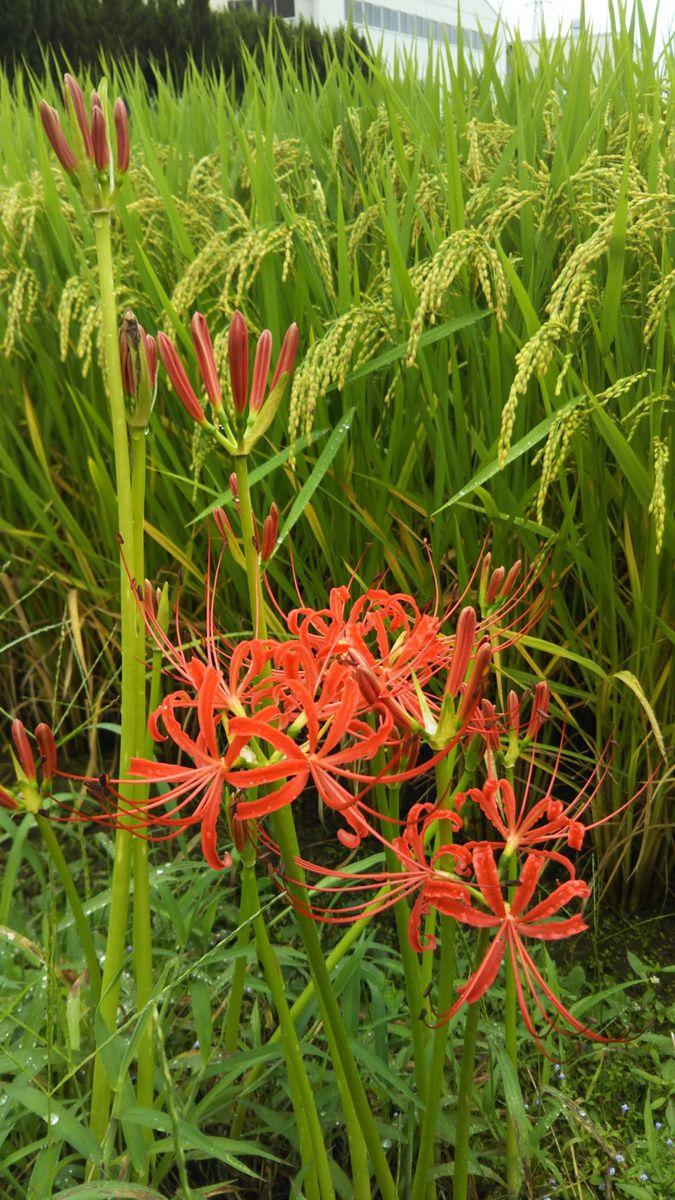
(222,524)
(287,355)
(121,119)
(48,752)
(513,712)
(472,694)
(237,344)
(138,361)
(206,359)
(234,486)
(23,749)
(75,96)
(511,578)
(261,369)
(57,138)
(99,137)
(495,584)
(540,703)
(181,383)
(7,800)
(464,640)
(269,533)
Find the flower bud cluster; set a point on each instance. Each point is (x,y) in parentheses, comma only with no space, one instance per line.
(87,156)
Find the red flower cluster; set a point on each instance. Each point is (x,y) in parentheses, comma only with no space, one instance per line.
(362,696)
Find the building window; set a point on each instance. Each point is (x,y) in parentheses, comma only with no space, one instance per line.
(407,23)
(284,8)
(373,15)
(390,19)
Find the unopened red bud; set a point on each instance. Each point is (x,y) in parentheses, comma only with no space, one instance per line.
(150,355)
(513,574)
(99,137)
(206,359)
(234,486)
(181,384)
(540,702)
(261,369)
(57,138)
(149,598)
(7,800)
(47,747)
(513,710)
(121,120)
(485,570)
(495,584)
(96,101)
(464,641)
(237,344)
(287,355)
(75,94)
(23,748)
(222,524)
(269,533)
(369,685)
(472,694)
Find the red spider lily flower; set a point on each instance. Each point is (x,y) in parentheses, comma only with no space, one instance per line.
(513,922)
(534,824)
(237,341)
(324,758)
(92,148)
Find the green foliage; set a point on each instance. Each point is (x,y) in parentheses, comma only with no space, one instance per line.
(156,34)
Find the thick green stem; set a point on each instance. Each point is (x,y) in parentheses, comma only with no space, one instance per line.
(250,551)
(436,1070)
(313,1154)
(81,923)
(511,1045)
(435,1076)
(462,1129)
(142,926)
(132,692)
(359,1119)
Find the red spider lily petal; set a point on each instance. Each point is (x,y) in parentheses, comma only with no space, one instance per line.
(287,354)
(57,138)
(520,953)
(237,341)
(75,95)
(181,384)
(121,119)
(261,368)
(23,748)
(99,137)
(206,358)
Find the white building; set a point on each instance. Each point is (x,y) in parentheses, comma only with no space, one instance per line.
(401,25)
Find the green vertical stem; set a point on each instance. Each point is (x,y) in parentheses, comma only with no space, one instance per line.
(142,927)
(132,696)
(510,1028)
(313,1154)
(233,1014)
(79,917)
(359,1120)
(435,1076)
(463,1126)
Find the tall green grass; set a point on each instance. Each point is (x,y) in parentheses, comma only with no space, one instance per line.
(480,265)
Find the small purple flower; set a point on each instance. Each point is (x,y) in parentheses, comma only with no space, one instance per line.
(561,1075)
(657,1125)
(644,1177)
(669,1141)
(619,1158)
(625,1108)
(612,1171)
